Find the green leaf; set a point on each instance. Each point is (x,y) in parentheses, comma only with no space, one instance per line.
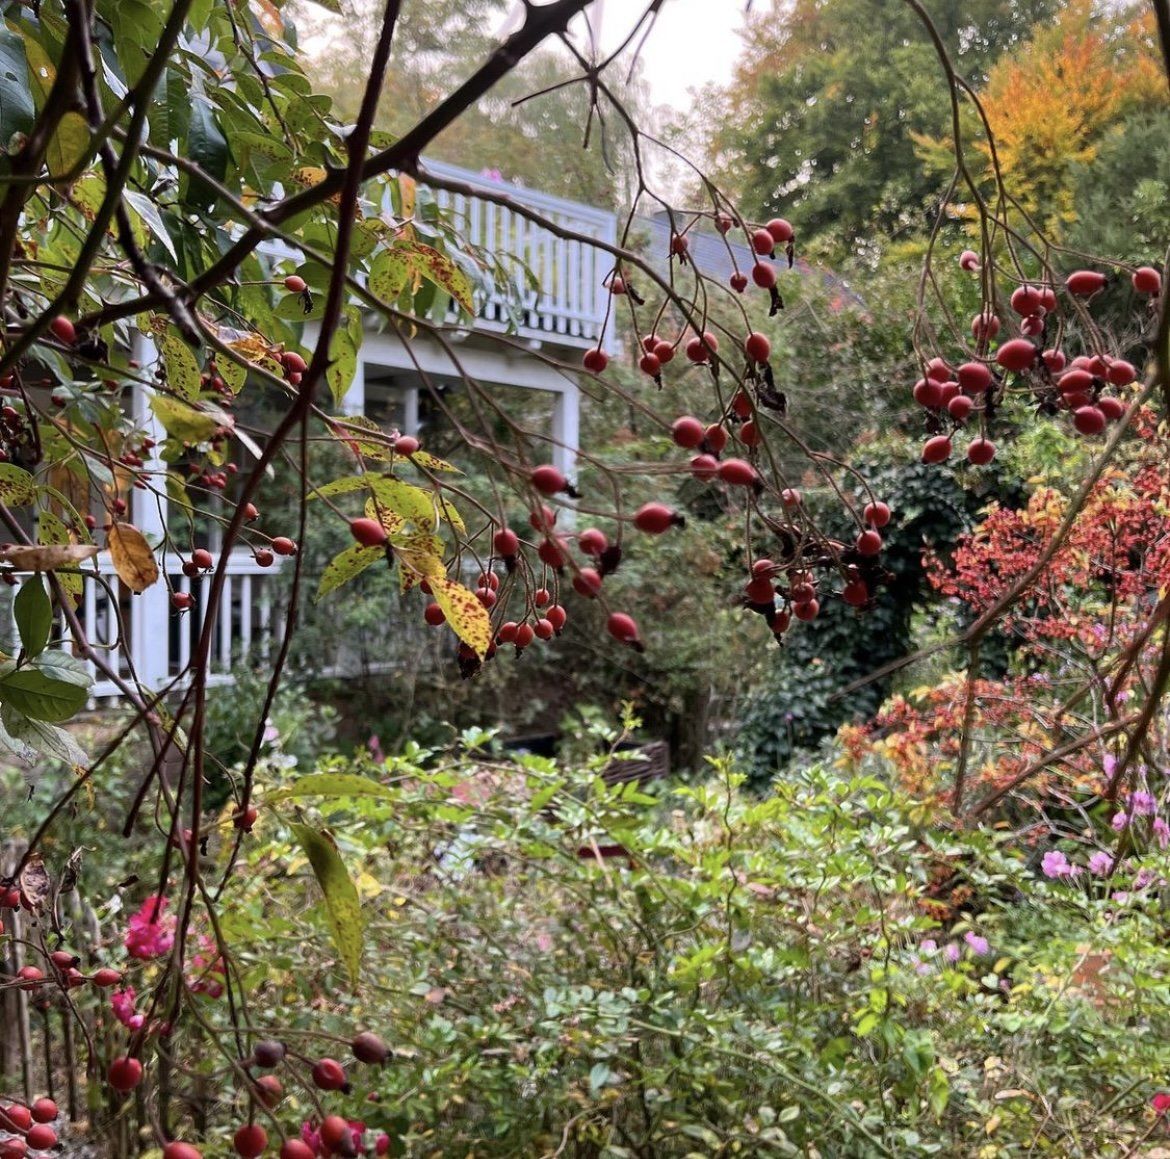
(343,361)
(444,273)
(332,785)
(182,367)
(45,738)
(389,274)
(151,218)
(341,899)
(184,422)
(404,499)
(40,697)
(33,610)
(53,532)
(17,487)
(65,668)
(69,145)
(17,110)
(208,148)
(345,566)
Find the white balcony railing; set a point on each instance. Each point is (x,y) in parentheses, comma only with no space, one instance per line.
(145,640)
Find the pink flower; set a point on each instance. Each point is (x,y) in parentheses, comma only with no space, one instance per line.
(979,945)
(1055,864)
(311,1136)
(1119,822)
(1161,1102)
(150,934)
(1161,832)
(122,1004)
(1100,862)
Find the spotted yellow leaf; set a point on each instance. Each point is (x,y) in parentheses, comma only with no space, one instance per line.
(467,616)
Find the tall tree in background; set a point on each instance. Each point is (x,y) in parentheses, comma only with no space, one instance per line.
(820,115)
(536,141)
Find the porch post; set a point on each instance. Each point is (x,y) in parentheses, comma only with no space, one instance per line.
(150,612)
(566,432)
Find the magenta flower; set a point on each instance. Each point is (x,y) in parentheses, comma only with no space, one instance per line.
(1100,862)
(1055,864)
(1119,822)
(1161,1102)
(122,1004)
(1161,833)
(979,945)
(150,934)
(1142,804)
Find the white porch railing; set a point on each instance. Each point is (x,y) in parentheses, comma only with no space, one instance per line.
(145,640)
(569,301)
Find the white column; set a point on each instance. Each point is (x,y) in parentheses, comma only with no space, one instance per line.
(354,402)
(566,433)
(149,612)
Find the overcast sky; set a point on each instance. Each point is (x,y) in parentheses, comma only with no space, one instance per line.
(693,42)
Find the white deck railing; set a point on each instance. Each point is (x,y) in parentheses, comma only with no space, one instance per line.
(146,641)
(570,300)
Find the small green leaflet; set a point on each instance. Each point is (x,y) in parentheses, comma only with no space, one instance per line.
(41,697)
(389,274)
(17,111)
(17,487)
(341,898)
(34,615)
(45,738)
(184,422)
(332,785)
(182,368)
(344,566)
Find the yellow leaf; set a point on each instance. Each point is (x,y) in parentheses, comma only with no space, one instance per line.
(133,560)
(467,616)
(420,556)
(388,519)
(49,557)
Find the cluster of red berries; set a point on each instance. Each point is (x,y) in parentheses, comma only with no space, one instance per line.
(27,1128)
(956,395)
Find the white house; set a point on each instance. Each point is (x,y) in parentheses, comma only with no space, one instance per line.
(561,319)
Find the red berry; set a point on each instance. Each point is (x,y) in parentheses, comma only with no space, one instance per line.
(282,545)
(176,1150)
(434,615)
(405,445)
(250,1141)
(264,557)
(525,634)
(764,275)
(489,579)
(368,532)
(106,977)
(1026,300)
(557,616)
(622,628)
(64,330)
(928,393)
(699,348)
(587,582)
(507,632)
(687,432)
(749,435)
(869,543)
(974,377)
(936,450)
(295,284)
(41,1137)
(723,222)
(679,244)
(543,629)
(855,593)
(1084,283)
(334,1131)
(937,370)
(763,242)
(124,1074)
(553,552)
(876,514)
(959,407)
(486,596)
(969,261)
(245,821)
(328,1075)
(741,405)
(202,559)
(780,230)
(181,600)
(738,282)
(592,541)
(1016,354)
(1111,408)
(617,285)
(984,326)
(293,362)
(760,590)
(738,473)
(1147,280)
(547,479)
(15,1117)
(268,1053)
(791,497)
(663,351)
(542,520)
(1120,373)
(704,466)
(655,518)
(980,452)
(1089,420)
(595,360)
(296,1149)
(1054,360)
(757,347)
(715,437)
(649,365)
(1032,326)
(806,611)
(505,543)
(268,1090)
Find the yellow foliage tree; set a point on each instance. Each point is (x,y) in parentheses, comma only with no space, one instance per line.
(1049,104)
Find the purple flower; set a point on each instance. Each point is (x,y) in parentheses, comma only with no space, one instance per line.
(1161,832)
(928,946)
(1055,864)
(1101,862)
(1110,763)
(979,945)
(952,952)
(1120,822)
(1142,804)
